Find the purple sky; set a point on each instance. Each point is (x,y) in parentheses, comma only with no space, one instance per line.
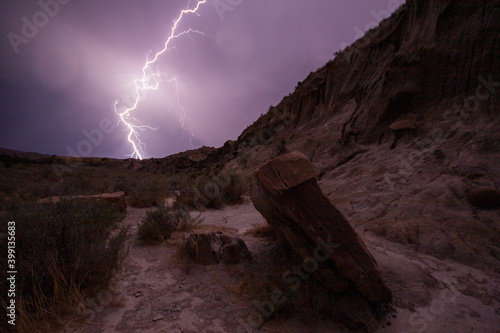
(65,77)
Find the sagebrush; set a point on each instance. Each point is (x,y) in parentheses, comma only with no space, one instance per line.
(159,224)
(64,251)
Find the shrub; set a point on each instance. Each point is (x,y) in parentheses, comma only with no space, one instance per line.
(159,224)
(186,222)
(64,251)
(234,189)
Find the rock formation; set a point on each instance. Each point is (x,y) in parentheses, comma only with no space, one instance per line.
(214,247)
(433,62)
(287,194)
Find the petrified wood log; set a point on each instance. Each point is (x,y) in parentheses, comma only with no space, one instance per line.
(117,199)
(213,247)
(286,193)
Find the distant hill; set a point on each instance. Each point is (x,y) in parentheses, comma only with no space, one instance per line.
(22,154)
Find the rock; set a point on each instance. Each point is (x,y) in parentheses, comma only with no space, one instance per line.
(400,127)
(170,202)
(484,197)
(116,198)
(174,308)
(158,317)
(214,247)
(286,193)
(204,248)
(403,124)
(231,253)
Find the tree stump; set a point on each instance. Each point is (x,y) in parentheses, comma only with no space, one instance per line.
(286,193)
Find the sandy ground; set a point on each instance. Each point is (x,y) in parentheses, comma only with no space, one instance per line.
(157,291)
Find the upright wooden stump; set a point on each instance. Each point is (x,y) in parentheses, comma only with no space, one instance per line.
(286,193)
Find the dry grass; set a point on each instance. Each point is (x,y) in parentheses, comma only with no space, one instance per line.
(262,230)
(64,252)
(159,224)
(30,181)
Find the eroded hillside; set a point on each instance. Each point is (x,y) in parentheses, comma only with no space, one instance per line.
(432,71)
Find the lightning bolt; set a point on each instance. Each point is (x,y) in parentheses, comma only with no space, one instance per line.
(150,80)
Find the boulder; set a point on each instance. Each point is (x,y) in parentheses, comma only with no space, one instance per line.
(204,248)
(286,193)
(214,247)
(399,127)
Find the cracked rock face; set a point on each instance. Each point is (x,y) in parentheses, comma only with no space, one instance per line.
(286,193)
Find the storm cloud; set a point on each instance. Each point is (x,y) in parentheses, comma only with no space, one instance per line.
(64,63)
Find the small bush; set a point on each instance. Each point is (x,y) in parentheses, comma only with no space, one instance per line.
(234,189)
(64,251)
(188,197)
(186,222)
(159,224)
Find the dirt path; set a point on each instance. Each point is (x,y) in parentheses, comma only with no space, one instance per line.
(156,291)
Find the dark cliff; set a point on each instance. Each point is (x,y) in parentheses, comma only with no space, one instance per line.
(433,67)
